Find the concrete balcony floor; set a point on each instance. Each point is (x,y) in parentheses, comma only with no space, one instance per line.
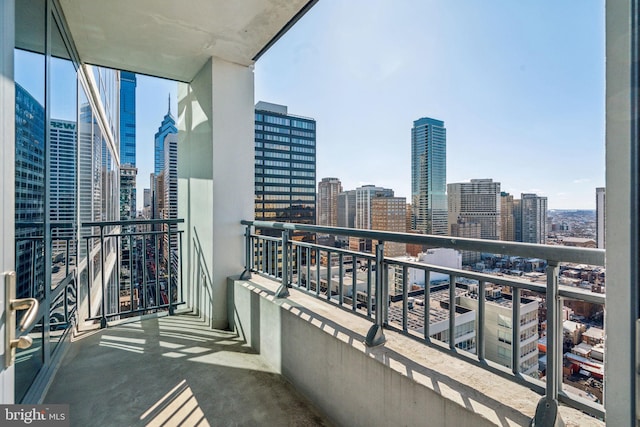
(173,371)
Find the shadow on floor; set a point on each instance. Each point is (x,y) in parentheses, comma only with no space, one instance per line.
(173,371)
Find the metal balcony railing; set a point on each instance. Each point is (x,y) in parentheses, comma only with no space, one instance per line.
(137,266)
(31,268)
(365,275)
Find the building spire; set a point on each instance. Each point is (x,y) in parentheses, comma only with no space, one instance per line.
(169,103)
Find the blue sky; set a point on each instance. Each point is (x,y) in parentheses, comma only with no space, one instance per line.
(519,85)
(151,106)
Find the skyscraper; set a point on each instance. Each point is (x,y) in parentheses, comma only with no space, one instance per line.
(534,218)
(167,126)
(29,193)
(429,176)
(364,195)
(601,218)
(477,202)
(62,187)
(364,217)
(127,118)
(170,208)
(347,209)
(390,214)
(507,218)
(328,190)
(128,169)
(167,133)
(285,167)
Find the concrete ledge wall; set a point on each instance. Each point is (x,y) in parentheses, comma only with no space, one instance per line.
(351,384)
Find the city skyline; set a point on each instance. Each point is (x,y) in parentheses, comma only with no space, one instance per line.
(522,106)
(543,90)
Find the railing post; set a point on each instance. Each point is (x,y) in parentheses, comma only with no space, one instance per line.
(375,336)
(103,319)
(452,311)
(515,331)
(246,274)
(283,290)
(547,410)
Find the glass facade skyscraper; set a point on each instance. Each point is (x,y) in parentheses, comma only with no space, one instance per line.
(127,118)
(429,176)
(534,218)
(128,170)
(285,166)
(167,126)
(29,193)
(62,190)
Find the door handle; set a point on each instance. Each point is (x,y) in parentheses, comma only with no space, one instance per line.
(12,305)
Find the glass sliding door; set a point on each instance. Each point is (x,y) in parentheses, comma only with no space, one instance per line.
(45,184)
(30,170)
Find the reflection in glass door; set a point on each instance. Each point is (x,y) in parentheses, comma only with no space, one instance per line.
(45,183)
(30,154)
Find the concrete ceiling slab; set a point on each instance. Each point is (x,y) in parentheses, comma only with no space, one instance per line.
(174,39)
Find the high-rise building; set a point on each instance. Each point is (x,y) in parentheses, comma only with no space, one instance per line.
(146,201)
(534,218)
(517,220)
(170,211)
(347,209)
(390,214)
(507,218)
(285,167)
(429,176)
(62,187)
(29,193)
(167,127)
(477,202)
(346,212)
(128,83)
(601,219)
(328,190)
(127,118)
(167,134)
(364,214)
(364,195)
(128,175)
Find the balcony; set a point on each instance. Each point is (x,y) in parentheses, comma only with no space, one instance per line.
(296,350)
(313,337)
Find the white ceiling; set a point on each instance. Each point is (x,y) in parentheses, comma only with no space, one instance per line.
(174,39)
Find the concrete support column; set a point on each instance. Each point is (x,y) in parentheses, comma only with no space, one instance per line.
(215,181)
(622,215)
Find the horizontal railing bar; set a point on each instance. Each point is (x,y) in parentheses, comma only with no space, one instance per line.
(581,294)
(267,238)
(497,280)
(135,233)
(362,255)
(133,222)
(525,250)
